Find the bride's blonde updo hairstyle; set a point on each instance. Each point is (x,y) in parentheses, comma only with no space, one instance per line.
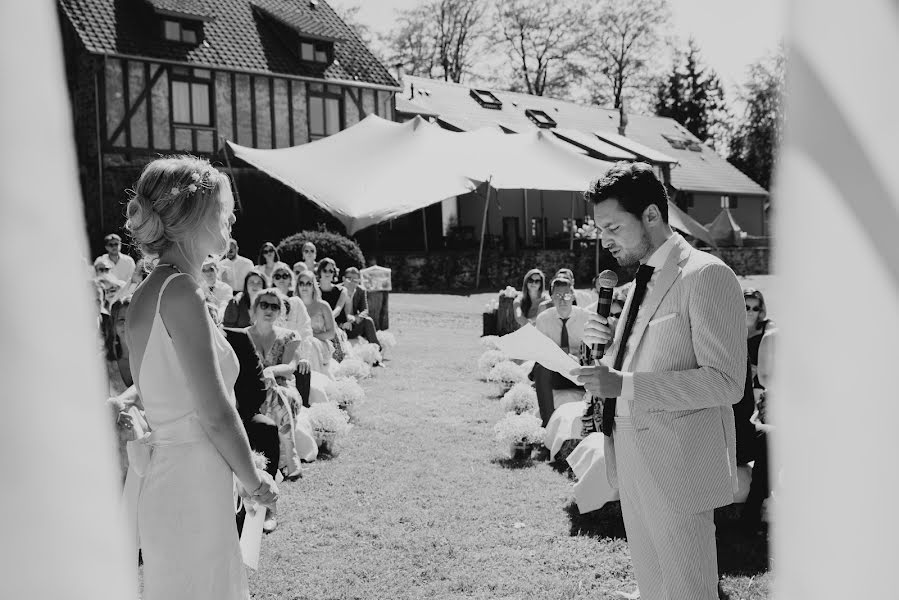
(176,198)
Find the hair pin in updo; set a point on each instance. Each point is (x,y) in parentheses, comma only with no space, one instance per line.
(199,181)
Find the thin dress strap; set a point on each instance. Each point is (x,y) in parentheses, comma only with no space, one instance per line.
(162,289)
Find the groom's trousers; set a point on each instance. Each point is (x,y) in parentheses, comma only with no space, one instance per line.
(673,553)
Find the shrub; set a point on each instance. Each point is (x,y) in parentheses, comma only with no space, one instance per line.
(344,251)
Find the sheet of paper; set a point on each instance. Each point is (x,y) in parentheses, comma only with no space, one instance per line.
(529,344)
(251,536)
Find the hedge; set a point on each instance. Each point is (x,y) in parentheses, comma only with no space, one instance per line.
(344,251)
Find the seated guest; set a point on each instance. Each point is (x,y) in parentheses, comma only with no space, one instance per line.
(358,322)
(564,325)
(277,349)
(250,392)
(533,291)
(567,274)
(336,297)
(310,254)
(217,292)
(268,259)
(233,268)
(321,320)
(237,312)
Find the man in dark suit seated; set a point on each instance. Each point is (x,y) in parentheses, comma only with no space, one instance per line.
(358,322)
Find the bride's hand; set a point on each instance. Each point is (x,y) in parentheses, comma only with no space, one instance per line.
(267,492)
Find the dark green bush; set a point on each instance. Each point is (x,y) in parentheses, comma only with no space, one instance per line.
(344,251)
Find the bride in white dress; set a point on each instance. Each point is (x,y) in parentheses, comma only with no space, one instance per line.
(182,484)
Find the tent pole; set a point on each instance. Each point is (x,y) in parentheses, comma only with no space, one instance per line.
(230,170)
(477,277)
(527,224)
(571,225)
(424,227)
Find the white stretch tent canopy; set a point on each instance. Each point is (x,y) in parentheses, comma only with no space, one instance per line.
(373,171)
(377,169)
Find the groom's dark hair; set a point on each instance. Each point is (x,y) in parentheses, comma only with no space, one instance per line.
(634,185)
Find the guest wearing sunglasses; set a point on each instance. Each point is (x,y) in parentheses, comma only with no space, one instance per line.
(337,298)
(757,323)
(358,323)
(533,291)
(237,313)
(309,257)
(563,324)
(295,317)
(321,320)
(269,258)
(566,274)
(121,265)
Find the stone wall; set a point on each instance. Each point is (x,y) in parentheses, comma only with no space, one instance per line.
(456,270)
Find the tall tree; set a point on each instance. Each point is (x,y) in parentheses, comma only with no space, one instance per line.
(692,96)
(542,39)
(622,49)
(757,136)
(349,14)
(439,38)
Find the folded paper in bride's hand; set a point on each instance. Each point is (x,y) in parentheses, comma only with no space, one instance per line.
(529,344)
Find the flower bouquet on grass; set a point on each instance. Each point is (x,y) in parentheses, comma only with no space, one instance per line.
(488,360)
(489,342)
(387,341)
(346,393)
(522,398)
(352,367)
(367,353)
(328,424)
(508,292)
(520,433)
(507,373)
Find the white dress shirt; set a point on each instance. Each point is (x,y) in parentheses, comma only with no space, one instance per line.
(123,269)
(233,272)
(656,261)
(549,323)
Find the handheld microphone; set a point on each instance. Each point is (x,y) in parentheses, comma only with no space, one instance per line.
(607,281)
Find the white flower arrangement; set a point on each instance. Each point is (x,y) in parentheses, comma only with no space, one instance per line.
(387,340)
(489,342)
(508,292)
(345,392)
(488,360)
(507,373)
(328,420)
(519,429)
(368,353)
(522,398)
(491,306)
(352,367)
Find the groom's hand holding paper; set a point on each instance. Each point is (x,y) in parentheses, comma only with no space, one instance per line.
(529,344)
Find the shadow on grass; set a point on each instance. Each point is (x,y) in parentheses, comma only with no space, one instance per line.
(741,552)
(513,463)
(603,523)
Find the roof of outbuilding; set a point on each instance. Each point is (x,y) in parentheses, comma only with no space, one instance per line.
(701,170)
(238,34)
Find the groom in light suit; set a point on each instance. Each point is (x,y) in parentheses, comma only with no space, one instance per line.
(675,367)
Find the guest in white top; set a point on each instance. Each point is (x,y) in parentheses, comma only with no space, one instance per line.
(217,292)
(233,268)
(563,324)
(121,265)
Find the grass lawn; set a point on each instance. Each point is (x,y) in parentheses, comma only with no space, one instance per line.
(422,503)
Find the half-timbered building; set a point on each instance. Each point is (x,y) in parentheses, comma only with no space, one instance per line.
(153,77)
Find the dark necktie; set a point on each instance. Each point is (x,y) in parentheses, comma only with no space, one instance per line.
(563,339)
(644,273)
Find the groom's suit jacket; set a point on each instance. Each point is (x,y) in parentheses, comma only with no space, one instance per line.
(687,353)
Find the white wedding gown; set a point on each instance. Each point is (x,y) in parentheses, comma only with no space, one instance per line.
(185,504)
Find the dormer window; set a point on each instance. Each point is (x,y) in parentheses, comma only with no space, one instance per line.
(315,52)
(486,99)
(187,32)
(540,118)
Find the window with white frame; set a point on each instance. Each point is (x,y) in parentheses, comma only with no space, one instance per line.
(191,96)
